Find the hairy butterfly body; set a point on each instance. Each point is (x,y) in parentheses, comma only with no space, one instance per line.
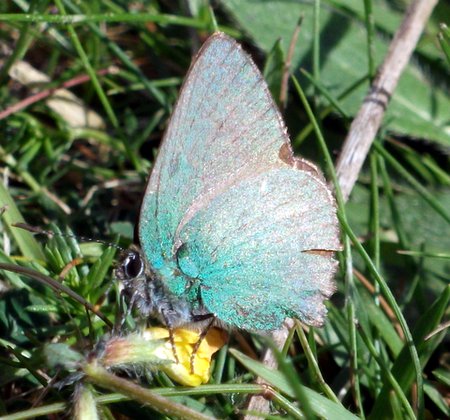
(232,225)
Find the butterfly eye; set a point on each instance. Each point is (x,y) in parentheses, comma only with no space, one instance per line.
(132,266)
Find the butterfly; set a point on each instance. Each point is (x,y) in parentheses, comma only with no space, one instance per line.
(232,225)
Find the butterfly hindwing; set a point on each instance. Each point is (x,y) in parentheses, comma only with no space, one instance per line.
(258,250)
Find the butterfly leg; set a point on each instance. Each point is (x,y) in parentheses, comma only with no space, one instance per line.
(171,339)
(199,318)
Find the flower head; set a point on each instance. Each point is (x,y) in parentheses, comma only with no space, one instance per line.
(154,349)
(185,340)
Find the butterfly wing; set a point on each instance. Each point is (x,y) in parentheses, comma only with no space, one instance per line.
(259,250)
(225,141)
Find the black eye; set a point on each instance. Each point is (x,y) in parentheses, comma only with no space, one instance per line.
(132,266)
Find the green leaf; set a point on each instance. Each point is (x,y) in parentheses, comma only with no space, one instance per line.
(383,325)
(420,224)
(418,107)
(273,70)
(321,406)
(61,354)
(442,376)
(403,369)
(94,281)
(29,247)
(444,40)
(437,398)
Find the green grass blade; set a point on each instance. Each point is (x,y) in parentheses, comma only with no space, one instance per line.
(28,245)
(320,405)
(402,368)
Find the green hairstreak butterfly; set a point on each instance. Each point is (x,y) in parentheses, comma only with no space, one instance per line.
(232,225)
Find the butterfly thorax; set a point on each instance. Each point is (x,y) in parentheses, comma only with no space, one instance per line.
(147,291)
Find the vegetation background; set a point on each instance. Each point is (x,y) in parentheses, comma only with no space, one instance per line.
(77,162)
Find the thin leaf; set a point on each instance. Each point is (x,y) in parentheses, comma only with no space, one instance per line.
(320,405)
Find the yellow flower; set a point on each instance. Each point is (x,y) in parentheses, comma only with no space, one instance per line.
(184,341)
(153,349)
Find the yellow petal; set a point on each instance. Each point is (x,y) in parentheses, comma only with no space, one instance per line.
(185,341)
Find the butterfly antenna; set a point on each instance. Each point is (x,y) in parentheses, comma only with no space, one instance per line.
(39,231)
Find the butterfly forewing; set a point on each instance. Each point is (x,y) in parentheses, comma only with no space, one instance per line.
(223,128)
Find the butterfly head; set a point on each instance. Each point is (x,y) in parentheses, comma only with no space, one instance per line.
(131,265)
(139,283)
(146,292)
